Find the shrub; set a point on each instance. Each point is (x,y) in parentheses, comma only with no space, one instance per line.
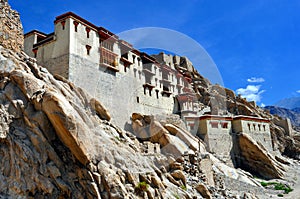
(183,187)
(141,187)
(278,186)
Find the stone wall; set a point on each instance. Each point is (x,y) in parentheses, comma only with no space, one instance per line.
(285,124)
(258,130)
(217,134)
(11,30)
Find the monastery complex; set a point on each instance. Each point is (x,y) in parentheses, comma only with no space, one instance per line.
(127,80)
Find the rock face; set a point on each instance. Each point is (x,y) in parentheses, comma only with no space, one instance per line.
(11,30)
(255,158)
(57,142)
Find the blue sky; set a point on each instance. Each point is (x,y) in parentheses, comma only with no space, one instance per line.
(255,44)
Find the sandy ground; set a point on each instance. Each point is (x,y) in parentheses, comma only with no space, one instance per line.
(293,175)
(292,178)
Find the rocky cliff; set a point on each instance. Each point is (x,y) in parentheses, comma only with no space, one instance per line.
(58,142)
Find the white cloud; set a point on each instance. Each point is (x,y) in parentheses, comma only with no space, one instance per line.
(298,91)
(256,80)
(262,105)
(251,92)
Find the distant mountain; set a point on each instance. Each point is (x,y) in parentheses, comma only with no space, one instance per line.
(289,103)
(297,110)
(293,115)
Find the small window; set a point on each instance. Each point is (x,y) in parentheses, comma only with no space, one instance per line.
(88,49)
(76,23)
(144,90)
(264,126)
(157,93)
(224,125)
(63,23)
(259,127)
(137,99)
(88,30)
(133,58)
(35,51)
(254,127)
(214,124)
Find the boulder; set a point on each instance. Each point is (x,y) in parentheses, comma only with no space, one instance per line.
(179,175)
(100,109)
(202,189)
(256,159)
(185,136)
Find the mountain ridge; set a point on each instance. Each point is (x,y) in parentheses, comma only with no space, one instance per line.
(289,103)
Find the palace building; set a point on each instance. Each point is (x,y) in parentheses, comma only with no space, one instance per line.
(127,80)
(123,78)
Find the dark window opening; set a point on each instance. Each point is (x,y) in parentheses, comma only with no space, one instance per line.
(249,127)
(75,25)
(133,58)
(214,124)
(35,52)
(264,126)
(144,90)
(259,127)
(225,125)
(87,32)
(63,23)
(254,127)
(137,99)
(157,93)
(88,49)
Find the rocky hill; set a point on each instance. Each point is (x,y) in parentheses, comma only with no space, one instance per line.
(56,141)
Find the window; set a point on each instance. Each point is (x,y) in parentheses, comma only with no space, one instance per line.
(254,127)
(139,61)
(214,124)
(259,127)
(137,99)
(87,32)
(157,93)
(224,125)
(63,23)
(264,126)
(88,49)
(133,58)
(107,44)
(35,52)
(76,23)
(249,127)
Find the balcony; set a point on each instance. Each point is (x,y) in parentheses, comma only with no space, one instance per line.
(108,59)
